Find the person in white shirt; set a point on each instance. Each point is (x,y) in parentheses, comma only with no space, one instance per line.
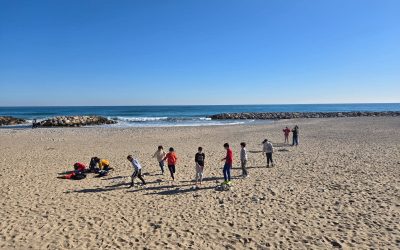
(160,154)
(268,149)
(137,170)
(243,159)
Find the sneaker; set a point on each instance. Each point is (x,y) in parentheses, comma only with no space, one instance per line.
(229,183)
(267,165)
(225,182)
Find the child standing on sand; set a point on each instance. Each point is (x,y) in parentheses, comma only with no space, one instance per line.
(228,164)
(160,154)
(268,149)
(286,132)
(171,159)
(243,159)
(199,159)
(137,170)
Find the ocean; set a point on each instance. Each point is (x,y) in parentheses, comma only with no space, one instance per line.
(162,116)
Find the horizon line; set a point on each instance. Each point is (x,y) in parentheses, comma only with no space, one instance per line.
(182,105)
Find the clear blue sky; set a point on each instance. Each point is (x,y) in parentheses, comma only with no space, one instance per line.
(78,52)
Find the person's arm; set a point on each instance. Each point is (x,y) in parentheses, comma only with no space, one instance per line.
(165,157)
(155,154)
(195,158)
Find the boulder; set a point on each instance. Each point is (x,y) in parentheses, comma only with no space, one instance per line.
(9,120)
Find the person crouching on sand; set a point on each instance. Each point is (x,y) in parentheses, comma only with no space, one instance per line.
(137,170)
(104,166)
(171,160)
(199,159)
(160,154)
(268,149)
(228,164)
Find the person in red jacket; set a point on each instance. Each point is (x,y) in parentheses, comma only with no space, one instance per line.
(228,164)
(286,132)
(171,160)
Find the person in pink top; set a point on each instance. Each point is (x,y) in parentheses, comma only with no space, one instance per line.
(286,132)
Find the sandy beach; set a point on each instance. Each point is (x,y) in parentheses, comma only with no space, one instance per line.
(339,188)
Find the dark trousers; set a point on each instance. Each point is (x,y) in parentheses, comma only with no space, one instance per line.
(295,140)
(172,171)
(138,174)
(269,158)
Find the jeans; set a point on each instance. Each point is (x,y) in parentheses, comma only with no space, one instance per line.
(161,164)
(295,140)
(244,169)
(172,171)
(227,172)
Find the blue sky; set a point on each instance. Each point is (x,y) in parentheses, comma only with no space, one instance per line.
(79,52)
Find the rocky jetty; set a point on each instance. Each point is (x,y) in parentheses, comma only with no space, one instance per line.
(292,115)
(74,121)
(9,120)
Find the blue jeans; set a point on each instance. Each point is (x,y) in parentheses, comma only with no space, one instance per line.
(227,172)
(295,140)
(161,163)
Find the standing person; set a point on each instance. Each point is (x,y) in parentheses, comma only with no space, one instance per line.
(295,132)
(228,164)
(137,170)
(286,132)
(268,149)
(160,154)
(199,159)
(171,160)
(243,159)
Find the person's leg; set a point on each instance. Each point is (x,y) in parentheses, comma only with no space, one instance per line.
(267,154)
(229,172)
(197,173)
(171,171)
(244,170)
(225,172)
(161,164)
(134,175)
(140,177)
(201,174)
(297,140)
(272,161)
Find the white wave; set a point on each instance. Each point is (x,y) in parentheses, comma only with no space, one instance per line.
(140,119)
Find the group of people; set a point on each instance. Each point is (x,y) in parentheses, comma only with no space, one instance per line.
(295,135)
(102,166)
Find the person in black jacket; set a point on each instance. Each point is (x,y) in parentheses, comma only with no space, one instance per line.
(295,132)
(199,159)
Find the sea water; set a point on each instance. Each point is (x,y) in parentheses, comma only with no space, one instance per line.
(190,115)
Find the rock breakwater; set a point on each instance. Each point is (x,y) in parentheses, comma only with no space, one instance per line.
(9,120)
(293,115)
(74,121)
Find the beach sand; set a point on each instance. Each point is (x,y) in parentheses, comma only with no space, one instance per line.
(339,188)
